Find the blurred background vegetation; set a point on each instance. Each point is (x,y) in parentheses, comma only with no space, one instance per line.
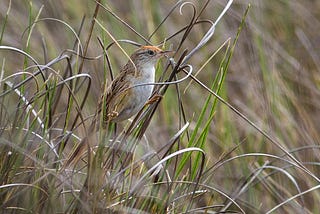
(273,79)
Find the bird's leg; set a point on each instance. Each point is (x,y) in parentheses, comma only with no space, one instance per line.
(113,114)
(154,99)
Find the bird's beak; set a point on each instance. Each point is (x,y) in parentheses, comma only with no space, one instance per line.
(164,53)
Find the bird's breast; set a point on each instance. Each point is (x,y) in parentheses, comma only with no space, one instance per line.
(143,92)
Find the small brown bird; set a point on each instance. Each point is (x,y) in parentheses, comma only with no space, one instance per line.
(125,96)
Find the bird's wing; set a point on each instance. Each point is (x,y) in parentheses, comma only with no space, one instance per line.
(116,98)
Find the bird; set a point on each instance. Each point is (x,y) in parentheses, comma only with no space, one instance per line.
(126,96)
(127,93)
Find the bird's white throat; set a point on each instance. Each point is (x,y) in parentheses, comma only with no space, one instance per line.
(148,72)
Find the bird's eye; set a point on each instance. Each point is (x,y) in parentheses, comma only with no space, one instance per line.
(151,52)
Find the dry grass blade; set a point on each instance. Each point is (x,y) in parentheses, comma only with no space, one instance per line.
(209,33)
(123,22)
(139,182)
